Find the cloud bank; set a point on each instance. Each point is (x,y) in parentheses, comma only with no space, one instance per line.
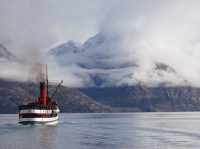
(155,31)
(145,33)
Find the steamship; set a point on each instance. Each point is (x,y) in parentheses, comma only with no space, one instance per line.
(43,110)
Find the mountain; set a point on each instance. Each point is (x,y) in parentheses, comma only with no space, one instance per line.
(13,94)
(112,83)
(95,53)
(111,74)
(100,60)
(137,98)
(143,98)
(5,54)
(66,48)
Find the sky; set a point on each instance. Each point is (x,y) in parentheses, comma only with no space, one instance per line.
(150,31)
(39,24)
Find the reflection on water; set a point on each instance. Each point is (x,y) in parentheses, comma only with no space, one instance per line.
(105,131)
(47,137)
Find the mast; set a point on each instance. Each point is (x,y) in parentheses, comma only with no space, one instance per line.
(47,82)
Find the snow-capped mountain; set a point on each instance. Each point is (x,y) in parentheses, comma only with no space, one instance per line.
(66,48)
(97,52)
(101,60)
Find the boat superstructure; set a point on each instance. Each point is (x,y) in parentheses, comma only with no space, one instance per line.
(42,110)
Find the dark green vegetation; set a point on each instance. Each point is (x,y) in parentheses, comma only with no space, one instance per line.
(110,99)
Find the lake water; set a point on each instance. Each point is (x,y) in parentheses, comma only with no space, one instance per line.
(105,131)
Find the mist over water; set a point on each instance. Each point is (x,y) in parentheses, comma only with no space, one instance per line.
(146,33)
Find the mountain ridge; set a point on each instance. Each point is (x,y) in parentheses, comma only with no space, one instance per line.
(137,98)
(13,93)
(111,91)
(98,57)
(5,54)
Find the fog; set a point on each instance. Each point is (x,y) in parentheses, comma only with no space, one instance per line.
(147,32)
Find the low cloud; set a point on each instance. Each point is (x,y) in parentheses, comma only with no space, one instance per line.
(139,34)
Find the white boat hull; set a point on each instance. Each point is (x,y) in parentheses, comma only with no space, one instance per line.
(38,120)
(38,116)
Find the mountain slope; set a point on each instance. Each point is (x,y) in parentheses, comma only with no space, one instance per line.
(108,99)
(95,53)
(142,98)
(13,94)
(113,85)
(5,54)
(100,59)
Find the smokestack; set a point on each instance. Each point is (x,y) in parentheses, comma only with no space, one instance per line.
(43,99)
